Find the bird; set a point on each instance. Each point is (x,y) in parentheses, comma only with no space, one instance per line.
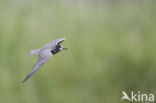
(45,53)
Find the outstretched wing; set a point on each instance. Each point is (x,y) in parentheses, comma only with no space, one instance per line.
(43,57)
(53,43)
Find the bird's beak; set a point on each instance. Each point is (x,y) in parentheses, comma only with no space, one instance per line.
(65,48)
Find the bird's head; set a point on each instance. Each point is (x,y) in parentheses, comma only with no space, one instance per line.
(60,48)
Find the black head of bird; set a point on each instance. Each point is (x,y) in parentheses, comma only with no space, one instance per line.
(57,49)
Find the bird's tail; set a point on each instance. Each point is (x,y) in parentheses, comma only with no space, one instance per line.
(34,52)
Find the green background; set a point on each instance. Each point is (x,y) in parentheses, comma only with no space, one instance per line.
(112,47)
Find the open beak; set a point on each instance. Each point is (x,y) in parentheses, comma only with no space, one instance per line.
(65,48)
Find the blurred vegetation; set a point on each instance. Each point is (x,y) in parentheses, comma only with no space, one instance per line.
(112,47)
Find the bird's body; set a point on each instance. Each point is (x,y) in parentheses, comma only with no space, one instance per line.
(45,53)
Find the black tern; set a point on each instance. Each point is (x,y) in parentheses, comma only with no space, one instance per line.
(45,53)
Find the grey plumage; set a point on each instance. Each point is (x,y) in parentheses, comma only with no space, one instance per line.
(45,53)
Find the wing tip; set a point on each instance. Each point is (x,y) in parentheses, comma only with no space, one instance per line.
(64,38)
(59,41)
(28,76)
(24,81)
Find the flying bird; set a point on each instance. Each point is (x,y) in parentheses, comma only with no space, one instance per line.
(45,53)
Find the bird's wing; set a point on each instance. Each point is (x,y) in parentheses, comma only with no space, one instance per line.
(53,43)
(43,57)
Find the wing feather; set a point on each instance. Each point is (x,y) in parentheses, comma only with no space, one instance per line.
(43,58)
(53,43)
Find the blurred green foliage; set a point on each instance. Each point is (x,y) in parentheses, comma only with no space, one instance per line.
(112,47)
